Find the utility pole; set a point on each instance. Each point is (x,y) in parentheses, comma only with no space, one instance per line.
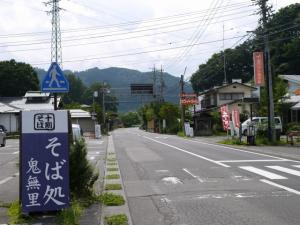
(56,50)
(182,108)
(224,59)
(154,82)
(264,9)
(162,85)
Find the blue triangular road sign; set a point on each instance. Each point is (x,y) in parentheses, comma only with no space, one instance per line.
(55,81)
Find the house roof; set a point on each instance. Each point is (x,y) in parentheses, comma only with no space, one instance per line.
(226,85)
(79,113)
(32,94)
(17,104)
(296,107)
(292,78)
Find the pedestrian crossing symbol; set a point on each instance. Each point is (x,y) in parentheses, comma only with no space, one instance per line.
(55,80)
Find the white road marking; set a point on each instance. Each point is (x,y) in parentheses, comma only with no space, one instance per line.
(281,186)
(92,157)
(194,176)
(285,170)
(263,173)
(191,153)
(162,171)
(298,166)
(172,180)
(8,178)
(253,160)
(16,152)
(240,150)
(5,180)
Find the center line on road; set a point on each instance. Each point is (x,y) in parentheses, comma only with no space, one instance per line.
(198,178)
(191,153)
(281,186)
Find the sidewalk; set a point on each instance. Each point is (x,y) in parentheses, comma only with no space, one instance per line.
(289,152)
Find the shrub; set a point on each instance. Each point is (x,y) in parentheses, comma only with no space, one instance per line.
(82,176)
(71,215)
(111,199)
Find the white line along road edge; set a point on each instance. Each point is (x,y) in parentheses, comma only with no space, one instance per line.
(191,153)
(281,186)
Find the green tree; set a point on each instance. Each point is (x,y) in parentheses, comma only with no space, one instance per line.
(170,113)
(77,89)
(130,119)
(17,78)
(279,91)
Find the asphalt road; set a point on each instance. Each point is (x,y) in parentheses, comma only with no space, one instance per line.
(170,180)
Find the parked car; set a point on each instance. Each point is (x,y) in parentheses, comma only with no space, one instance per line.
(263,121)
(77,132)
(3,128)
(2,137)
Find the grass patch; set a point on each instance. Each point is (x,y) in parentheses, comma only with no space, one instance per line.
(71,215)
(113,187)
(112,169)
(111,199)
(119,219)
(112,176)
(180,134)
(112,163)
(234,141)
(5,205)
(15,215)
(111,159)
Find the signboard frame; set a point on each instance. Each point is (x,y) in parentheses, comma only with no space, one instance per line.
(44,161)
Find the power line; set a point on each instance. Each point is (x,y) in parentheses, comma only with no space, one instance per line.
(115,25)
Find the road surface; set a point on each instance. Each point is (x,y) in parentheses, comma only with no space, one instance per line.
(171,180)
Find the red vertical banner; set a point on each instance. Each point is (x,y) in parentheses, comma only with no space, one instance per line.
(225,117)
(258,65)
(236,117)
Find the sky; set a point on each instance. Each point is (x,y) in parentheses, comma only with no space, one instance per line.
(171,35)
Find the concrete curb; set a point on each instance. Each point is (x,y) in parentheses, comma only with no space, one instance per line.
(112,210)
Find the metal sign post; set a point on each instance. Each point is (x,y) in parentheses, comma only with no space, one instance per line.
(44,161)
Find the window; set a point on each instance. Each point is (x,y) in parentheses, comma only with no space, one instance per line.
(231,96)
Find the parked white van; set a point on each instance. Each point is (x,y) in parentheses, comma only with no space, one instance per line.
(263,121)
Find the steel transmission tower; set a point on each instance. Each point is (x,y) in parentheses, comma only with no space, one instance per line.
(56,50)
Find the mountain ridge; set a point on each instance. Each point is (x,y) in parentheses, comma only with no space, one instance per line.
(120,79)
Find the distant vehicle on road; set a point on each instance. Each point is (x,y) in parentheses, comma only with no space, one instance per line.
(2,137)
(261,121)
(77,132)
